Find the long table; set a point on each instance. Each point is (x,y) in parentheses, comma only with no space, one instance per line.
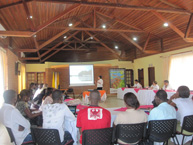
(144,96)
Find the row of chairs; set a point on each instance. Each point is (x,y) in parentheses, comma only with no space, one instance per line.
(158,131)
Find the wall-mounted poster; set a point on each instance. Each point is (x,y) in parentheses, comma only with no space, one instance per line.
(117,79)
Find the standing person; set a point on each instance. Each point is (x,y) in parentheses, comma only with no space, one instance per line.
(99,83)
(137,85)
(94,116)
(154,86)
(12,118)
(54,116)
(167,86)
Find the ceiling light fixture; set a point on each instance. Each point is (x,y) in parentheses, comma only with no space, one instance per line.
(135,38)
(30,17)
(104,26)
(166,24)
(70,24)
(91,37)
(65,37)
(116,47)
(35,36)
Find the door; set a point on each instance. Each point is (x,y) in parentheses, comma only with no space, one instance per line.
(129,77)
(151,75)
(141,77)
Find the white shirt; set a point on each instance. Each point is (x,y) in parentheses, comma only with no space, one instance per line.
(162,112)
(185,108)
(156,87)
(100,83)
(12,118)
(138,85)
(54,116)
(38,91)
(4,136)
(167,88)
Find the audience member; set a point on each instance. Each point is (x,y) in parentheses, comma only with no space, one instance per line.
(22,105)
(38,91)
(48,97)
(167,86)
(163,111)
(182,101)
(93,117)
(12,118)
(4,136)
(137,85)
(131,115)
(154,86)
(55,114)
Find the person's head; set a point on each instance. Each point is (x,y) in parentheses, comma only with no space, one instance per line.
(136,81)
(154,83)
(24,95)
(10,97)
(99,77)
(184,92)
(40,86)
(32,86)
(131,101)
(49,91)
(94,97)
(160,97)
(57,96)
(166,82)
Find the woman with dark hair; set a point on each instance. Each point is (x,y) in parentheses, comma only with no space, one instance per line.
(132,115)
(99,83)
(48,97)
(154,86)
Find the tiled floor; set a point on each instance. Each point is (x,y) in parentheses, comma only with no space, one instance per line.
(113,102)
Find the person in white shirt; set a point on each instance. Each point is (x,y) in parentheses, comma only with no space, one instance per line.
(167,86)
(99,83)
(54,116)
(12,118)
(154,86)
(137,85)
(4,136)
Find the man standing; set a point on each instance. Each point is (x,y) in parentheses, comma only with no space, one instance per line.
(12,118)
(167,86)
(99,83)
(93,117)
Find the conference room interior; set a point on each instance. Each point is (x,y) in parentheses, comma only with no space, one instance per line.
(69,44)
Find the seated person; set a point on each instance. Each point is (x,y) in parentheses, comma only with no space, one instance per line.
(167,86)
(131,115)
(12,118)
(163,111)
(94,116)
(154,86)
(182,101)
(54,116)
(4,136)
(48,97)
(137,85)
(22,105)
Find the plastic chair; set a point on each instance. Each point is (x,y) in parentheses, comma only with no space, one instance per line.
(12,138)
(44,136)
(130,133)
(162,130)
(97,136)
(186,126)
(70,91)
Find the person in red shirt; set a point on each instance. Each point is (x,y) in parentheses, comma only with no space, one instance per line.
(94,116)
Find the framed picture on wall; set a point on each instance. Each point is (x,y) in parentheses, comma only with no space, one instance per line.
(117,79)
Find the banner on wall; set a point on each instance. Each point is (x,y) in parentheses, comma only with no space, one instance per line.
(117,79)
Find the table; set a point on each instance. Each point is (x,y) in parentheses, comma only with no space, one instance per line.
(87,93)
(144,96)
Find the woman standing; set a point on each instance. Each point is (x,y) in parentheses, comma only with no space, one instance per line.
(99,83)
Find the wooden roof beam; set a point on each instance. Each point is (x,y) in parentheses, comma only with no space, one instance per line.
(94,16)
(29,58)
(188,28)
(119,6)
(147,41)
(17,33)
(13,4)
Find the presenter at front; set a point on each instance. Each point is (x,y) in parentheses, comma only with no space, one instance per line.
(99,83)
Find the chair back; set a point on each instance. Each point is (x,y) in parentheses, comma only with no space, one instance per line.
(130,133)
(44,136)
(97,136)
(161,130)
(188,123)
(12,138)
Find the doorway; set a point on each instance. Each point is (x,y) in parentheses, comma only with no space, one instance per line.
(141,77)
(151,75)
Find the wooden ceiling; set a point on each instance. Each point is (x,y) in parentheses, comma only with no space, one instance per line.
(40,28)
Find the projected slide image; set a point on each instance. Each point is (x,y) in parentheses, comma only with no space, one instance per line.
(81,75)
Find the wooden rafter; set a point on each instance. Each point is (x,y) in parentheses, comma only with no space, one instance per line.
(147,41)
(108,48)
(94,18)
(29,58)
(37,47)
(13,4)
(17,33)
(188,28)
(28,16)
(170,4)
(119,6)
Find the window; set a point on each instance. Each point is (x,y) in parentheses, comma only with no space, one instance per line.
(181,70)
(3,73)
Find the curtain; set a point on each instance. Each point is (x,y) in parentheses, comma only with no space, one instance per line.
(3,74)
(181,70)
(22,78)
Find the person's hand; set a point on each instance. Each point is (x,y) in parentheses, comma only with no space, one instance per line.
(174,96)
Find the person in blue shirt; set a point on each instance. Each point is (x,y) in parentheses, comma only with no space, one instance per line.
(164,110)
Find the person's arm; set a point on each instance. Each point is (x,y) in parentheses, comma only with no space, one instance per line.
(30,115)
(174,96)
(68,114)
